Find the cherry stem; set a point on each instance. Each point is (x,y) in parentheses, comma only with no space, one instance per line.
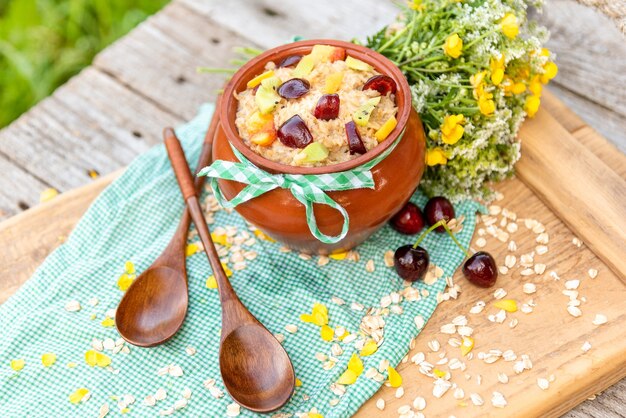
(444,224)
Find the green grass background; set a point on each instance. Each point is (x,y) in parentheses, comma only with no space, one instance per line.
(45,42)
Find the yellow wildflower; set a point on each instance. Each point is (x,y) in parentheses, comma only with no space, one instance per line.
(326,333)
(416,5)
(509,26)
(48,359)
(314,415)
(451,129)
(532,105)
(338,255)
(439,373)
(478,82)
(262,235)
(497,70)
(550,70)
(436,156)
(108,322)
(535,85)
(78,396)
(453,46)
(48,194)
(369,348)
(347,378)
(545,52)
(318,316)
(193,248)
(467,345)
(509,305)
(18,364)
(298,382)
(93,358)
(486,105)
(211,282)
(125,280)
(395,380)
(355,364)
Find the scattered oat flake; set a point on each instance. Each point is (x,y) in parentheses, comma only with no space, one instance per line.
(593,273)
(600,319)
(529,288)
(380,404)
(291,328)
(481,242)
(574,311)
(572,284)
(503,378)
(399,392)
(419,322)
(477,399)
(586,346)
(440,387)
(577,242)
(498,400)
(499,293)
(104,410)
(233,410)
(543,383)
(72,306)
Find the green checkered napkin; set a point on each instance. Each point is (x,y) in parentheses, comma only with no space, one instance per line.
(133,219)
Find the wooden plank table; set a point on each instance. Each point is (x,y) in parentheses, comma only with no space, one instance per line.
(115,109)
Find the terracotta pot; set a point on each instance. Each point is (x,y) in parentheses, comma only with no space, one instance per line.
(278,213)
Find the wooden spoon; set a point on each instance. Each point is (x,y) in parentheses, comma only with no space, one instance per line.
(255,367)
(155,305)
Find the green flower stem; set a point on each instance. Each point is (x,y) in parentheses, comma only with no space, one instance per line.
(397,36)
(481,37)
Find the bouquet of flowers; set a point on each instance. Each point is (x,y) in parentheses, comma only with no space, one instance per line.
(476,70)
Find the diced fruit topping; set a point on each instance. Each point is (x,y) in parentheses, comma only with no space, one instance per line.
(354,139)
(325,53)
(304,67)
(313,153)
(294,133)
(383,132)
(259,122)
(480,269)
(362,115)
(382,84)
(257,80)
(358,65)
(294,88)
(438,208)
(290,61)
(266,97)
(411,263)
(264,138)
(409,220)
(261,128)
(333,83)
(327,107)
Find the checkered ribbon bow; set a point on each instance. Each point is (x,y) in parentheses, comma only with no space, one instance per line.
(308,189)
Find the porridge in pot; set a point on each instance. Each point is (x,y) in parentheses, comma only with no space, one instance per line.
(319,109)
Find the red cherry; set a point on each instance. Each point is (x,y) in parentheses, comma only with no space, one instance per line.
(481,270)
(409,220)
(354,139)
(294,133)
(294,88)
(438,208)
(382,84)
(290,61)
(411,263)
(327,107)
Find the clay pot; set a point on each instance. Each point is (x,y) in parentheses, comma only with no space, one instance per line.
(278,213)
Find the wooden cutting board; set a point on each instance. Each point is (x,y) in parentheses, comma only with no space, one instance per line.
(572,181)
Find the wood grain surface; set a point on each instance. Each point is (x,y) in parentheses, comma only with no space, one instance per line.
(115,110)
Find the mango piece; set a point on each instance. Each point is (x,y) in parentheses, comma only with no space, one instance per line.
(257,122)
(358,65)
(333,83)
(326,53)
(383,132)
(362,115)
(257,80)
(313,152)
(266,97)
(78,396)
(263,138)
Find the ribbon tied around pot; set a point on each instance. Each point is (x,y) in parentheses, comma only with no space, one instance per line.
(307,189)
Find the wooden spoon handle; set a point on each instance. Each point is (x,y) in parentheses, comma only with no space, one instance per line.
(179,164)
(183,175)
